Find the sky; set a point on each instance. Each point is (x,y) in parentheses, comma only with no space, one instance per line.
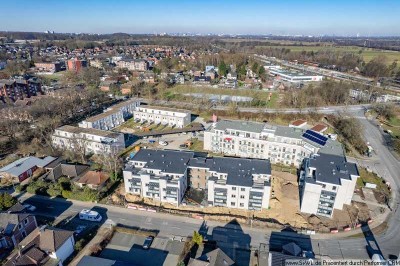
(279,17)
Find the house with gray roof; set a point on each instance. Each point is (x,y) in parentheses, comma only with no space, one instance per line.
(15,225)
(44,246)
(327,182)
(24,168)
(215,257)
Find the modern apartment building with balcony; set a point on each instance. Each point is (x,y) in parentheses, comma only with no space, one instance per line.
(158,174)
(279,144)
(327,182)
(234,182)
(165,175)
(88,139)
(163,115)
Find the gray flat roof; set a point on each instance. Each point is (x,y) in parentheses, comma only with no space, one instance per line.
(162,108)
(332,168)
(239,170)
(248,126)
(168,161)
(93,131)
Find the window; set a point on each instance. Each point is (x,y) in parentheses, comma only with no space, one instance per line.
(323,186)
(241,204)
(334,188)
(26,221)
(233,203)
(233,188)
(242,189)
(233,196)
(242,196)
(19,226)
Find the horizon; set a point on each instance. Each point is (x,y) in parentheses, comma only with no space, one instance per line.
(286,18)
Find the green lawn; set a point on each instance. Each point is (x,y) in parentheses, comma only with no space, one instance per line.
(369,177)
(367,53)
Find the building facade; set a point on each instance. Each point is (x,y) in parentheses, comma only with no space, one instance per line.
(162,115)
(158,174)
(114,116)
(280,144)
(18,89)
(76,64)
(165,175)
(327,182)
(294,76)
(88,139)
(133,64)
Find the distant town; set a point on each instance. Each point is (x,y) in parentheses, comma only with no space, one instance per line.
(187,149)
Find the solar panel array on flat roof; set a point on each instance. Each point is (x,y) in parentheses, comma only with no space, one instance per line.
(315,137)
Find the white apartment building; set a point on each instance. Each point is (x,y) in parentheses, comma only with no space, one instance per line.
(162,115)
(231,182)
(113,117)
(235,182)
(327,182)
(158,174)
(91,140)
(279,144)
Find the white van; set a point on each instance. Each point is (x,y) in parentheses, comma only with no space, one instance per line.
(90,215)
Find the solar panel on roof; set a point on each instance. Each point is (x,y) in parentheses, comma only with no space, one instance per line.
(314,139)
(315,134)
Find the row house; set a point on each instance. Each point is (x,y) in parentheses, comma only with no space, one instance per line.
(113,117)
(18,89)
(162,115)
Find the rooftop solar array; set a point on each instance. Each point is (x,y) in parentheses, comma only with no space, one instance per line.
(315,137)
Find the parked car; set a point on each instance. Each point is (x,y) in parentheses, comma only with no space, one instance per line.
(30,207)
(183,146)
(147,242)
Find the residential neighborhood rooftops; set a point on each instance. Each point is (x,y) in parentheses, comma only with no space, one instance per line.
(8,221)
(24,164)
(213,258)
(102,115)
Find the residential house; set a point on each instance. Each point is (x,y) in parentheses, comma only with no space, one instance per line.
(93,180)
(48,67)
(97,261)
(300,123)
(88,139)
(44,246)
(24,168)
(60,167)
(76,64)
(213,258)
(15,225)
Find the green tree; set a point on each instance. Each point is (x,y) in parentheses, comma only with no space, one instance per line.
(6,201)
(254,67)
(222,69)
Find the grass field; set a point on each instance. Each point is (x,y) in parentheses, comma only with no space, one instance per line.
(367,53)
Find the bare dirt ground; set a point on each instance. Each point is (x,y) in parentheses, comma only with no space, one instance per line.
(284,208)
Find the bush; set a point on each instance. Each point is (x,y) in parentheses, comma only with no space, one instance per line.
(6,201)
(37,187)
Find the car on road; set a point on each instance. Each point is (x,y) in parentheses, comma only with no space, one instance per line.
(30,207)
(183,146)
(163,143)
(147,242)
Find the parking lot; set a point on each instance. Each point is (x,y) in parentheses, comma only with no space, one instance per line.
(128,248)
(174,141)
